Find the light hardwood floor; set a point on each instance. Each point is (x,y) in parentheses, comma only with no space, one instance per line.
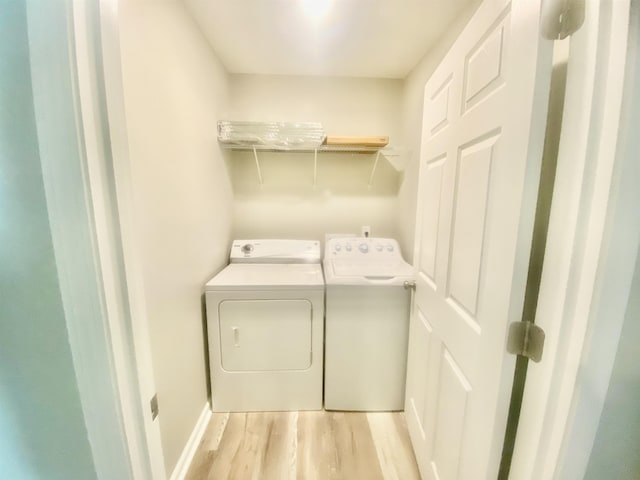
(305,446)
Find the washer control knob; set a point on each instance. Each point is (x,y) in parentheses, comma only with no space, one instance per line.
(247,248)
(390,248)
(347,247)
(363,247)
(379,247)
(338,247)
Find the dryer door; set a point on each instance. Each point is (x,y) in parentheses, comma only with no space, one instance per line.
(265,335)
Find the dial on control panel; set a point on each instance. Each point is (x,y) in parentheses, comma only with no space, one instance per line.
(363,247)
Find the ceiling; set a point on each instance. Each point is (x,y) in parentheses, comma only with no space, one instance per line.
(354,38)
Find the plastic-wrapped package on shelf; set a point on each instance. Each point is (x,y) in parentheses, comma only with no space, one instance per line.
(271,134)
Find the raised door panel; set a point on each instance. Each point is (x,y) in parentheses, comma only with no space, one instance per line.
(420,348)
(484,64)
(451,413)
(469,214)
(431,215)
(439,107)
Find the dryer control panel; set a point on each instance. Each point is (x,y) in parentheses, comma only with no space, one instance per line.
(275,251)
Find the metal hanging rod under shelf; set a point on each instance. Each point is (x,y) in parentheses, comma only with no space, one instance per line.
(386,152)
(319,148)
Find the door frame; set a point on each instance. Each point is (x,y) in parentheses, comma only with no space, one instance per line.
(112,180)
(75,66)
(594,229)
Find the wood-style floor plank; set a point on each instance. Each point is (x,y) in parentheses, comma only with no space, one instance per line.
(316,455)
(305,446)
(355,449)
(279,454)
(222,459)
(391,439)
(216,428)
(404,444)
(203,458)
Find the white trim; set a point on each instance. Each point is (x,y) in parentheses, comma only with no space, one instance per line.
(190,449)
(586,205)
(132,276)
(140,387)
(111,356)
(133,400)
(84,292)
(619,197)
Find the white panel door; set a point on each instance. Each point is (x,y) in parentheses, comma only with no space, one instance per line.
(483,132)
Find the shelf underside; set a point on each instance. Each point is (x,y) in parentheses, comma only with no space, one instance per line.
(320,148)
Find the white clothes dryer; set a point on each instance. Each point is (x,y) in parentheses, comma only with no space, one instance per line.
(367,324)
(265,314)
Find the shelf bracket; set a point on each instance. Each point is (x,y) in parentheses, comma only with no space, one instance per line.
(255,155)
(315,167)
(373,170)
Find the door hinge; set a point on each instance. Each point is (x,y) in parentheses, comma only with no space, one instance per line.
(409,285)
(155,409)
(526,339)
(561,18)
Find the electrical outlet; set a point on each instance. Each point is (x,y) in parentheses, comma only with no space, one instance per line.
(366,231)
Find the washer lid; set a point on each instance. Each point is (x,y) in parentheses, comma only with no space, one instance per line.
(266,276)
(275,251)
(342,272)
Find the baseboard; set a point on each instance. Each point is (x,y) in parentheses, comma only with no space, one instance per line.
(184,462)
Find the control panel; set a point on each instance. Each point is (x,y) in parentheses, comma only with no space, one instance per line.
(275,251)
(366,248)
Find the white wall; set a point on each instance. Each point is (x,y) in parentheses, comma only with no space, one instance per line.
(288,204)
(616,450)
(42,427)
(602,436)
(175,91)
(411,121)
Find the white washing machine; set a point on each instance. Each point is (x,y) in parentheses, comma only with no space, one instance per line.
(367,324)
(265,314)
